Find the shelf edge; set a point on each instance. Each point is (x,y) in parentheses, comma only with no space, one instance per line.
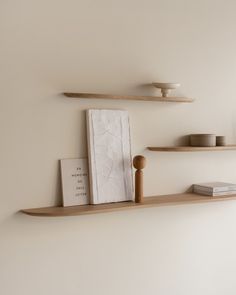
(156,201)
(128,97)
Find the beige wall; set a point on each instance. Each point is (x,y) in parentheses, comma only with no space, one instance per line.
(51,46)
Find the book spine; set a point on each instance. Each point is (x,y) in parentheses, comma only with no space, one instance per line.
(202,188)
(202,192)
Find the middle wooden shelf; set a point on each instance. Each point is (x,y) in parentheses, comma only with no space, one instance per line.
(191,148)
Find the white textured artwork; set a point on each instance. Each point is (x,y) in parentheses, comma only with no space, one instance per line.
(109,153)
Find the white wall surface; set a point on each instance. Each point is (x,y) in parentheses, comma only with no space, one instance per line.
(51,46)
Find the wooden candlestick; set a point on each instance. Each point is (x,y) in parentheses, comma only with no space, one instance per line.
(139,163)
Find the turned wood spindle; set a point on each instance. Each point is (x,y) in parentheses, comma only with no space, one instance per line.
(139,163)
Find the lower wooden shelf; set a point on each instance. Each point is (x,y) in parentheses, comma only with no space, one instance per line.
(164,200)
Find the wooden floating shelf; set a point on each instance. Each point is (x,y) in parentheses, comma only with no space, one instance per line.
(127,97)
(192,148)
(164,200)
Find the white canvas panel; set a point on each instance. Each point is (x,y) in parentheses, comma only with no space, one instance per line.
(110,161)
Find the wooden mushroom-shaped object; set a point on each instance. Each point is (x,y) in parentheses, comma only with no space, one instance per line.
(139,163)
(165,87)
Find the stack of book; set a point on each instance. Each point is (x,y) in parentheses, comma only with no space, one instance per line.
(215,189)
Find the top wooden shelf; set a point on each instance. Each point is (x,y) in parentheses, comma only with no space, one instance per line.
(177,199)
(127,97)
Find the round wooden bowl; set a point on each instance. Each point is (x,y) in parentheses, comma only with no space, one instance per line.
(203,140)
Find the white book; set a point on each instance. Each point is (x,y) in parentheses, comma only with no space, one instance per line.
(215,194)
(210,193)
(75,184)
(215,187)
(109,151)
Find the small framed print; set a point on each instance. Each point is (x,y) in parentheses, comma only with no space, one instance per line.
(75,182)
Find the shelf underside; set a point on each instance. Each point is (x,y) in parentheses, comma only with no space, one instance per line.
(191,148)
(127,97)
(186,198)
